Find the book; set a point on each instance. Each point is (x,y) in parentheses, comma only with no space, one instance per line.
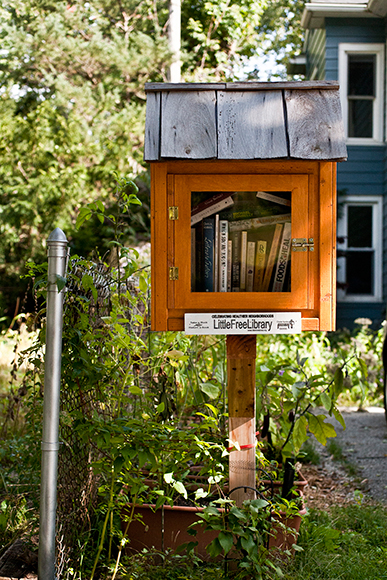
(211,209)
(250,258)
(242,275)
(236,261)
(216,254)
(205,202)
(198,282)
(229,266)
(193,259)
(255,223)
(273,198)
(260,262)
(271,260)
(208,250)
(283,259)
(223,255)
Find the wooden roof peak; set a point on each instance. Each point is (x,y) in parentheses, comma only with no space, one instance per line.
(246,120)
(243,86)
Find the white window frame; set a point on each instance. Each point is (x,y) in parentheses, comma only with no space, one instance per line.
(376,201)
(345,49)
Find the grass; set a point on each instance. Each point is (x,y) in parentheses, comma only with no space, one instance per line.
(348,543)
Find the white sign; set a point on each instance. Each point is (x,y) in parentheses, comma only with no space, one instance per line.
(243,323)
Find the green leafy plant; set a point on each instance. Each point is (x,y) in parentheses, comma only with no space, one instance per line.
(244,534)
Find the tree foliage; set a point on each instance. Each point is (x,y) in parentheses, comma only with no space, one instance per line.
(72,106)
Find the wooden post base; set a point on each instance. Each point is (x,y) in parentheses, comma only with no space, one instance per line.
(241,357)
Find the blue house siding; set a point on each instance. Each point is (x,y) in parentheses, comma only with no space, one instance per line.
(349,30)
(385,226)
(316,54)
(348,312)
(363,172)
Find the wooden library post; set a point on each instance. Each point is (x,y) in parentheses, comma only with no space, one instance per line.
(243,223)
(241,356)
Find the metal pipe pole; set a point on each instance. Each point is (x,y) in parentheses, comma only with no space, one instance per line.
(57,262)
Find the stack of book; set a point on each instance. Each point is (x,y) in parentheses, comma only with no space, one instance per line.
(240,242)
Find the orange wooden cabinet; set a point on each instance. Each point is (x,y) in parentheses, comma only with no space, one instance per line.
(243,199)
(312,189)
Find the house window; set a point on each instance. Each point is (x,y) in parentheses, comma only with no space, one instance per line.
(361,86)
(359,260)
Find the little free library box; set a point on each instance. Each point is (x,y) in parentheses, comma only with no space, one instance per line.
(243,200)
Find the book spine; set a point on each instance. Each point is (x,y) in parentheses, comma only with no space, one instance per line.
(242,283)
(255,223)
(283,259)
(218,197)
(229,266)
(208,244)
(193,259)
(223,255)
(272,257)
(260,261)
(216,254)
(199,283)
(274,198)
(250,266)
(236,261)
(216,207)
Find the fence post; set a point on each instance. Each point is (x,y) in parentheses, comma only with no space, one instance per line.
(57,261)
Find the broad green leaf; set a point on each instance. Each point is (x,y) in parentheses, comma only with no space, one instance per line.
(339,417)
(214,549)
(363,367)
(226,541)
(299,433)
(264,368)
(143,457)
(142,284)
(213,409)
(326,401)
(84,215)
(168,477)
(338,381)
(118,463)
(199,493)
(87,282)
(320,429)
(160,408)
(100,206)
(175,354)
(210,390)
(160,501)
(60,282)
(134,199)
(297,388)
(135,390)
(180,488)
(248,544)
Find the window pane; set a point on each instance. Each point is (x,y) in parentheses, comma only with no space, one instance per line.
(361,74)
(240,241)
(360,118)
(360,266)
(360,226)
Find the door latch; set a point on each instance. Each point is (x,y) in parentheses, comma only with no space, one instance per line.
(302,244)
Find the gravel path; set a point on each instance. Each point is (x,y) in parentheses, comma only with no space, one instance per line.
(364,444)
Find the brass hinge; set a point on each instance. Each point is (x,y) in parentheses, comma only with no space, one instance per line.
(173,273)
(173,212)
(302,245)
